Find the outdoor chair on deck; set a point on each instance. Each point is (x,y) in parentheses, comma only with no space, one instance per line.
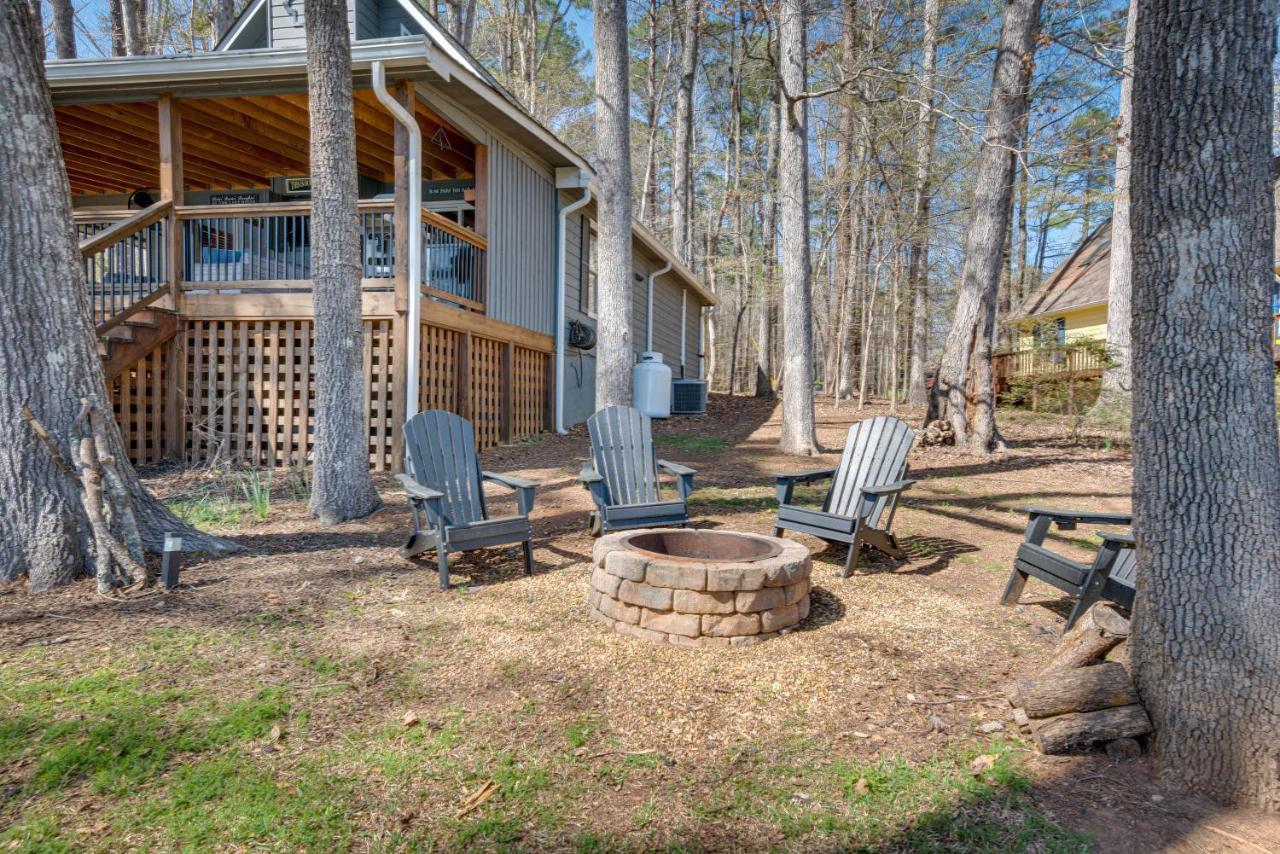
(1110,576)
(859,506)
(444,486)
(622,475)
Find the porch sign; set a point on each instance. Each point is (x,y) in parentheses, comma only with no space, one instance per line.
(248,197)
(446,191)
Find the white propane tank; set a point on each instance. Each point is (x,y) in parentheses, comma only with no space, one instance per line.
(651,386)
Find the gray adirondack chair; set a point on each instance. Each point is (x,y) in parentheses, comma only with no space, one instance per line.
(444,485)
(622,475)
(859,506)
(1110,576)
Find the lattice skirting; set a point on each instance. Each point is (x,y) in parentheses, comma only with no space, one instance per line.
(250,391)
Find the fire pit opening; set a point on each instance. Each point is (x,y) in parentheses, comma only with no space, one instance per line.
(700,588)
(711,546)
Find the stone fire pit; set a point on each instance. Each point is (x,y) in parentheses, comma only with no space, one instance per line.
(699,588)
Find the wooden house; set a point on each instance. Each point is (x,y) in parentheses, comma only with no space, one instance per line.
(190,185)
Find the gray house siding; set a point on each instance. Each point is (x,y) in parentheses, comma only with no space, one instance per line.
(392,18)
(364,16)
(579,365)
(287,27)
(522,241)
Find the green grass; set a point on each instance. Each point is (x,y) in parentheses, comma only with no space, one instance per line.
(238,498)
(751,497)
(691,442)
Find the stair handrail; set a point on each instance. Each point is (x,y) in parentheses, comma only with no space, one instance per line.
(118,231)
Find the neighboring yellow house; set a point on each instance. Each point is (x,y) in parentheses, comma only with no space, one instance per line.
(1072,303)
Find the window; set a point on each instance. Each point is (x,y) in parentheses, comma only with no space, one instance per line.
(590,291)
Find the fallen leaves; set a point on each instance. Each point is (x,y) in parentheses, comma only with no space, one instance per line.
(410,719)
(982,764)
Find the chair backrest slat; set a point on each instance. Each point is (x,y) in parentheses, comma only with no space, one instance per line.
(440,453)
(1125,568)
(875,452)
(622,452)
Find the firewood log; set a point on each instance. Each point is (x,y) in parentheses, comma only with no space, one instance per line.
(1101,629)
(1078,730)
(1084,689)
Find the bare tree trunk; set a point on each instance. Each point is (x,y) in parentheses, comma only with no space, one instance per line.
(1206,480)
(341,486)
(64,28)
(1116,399)
(115,11)
(682,156)
(613,159)
(918,261)
(988,222)
(649,184)
(798,435)
(223,15)
(133,19)
(47,340)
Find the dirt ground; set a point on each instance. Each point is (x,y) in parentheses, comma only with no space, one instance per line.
(410,700)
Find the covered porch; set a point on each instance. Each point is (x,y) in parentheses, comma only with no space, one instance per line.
(192,205)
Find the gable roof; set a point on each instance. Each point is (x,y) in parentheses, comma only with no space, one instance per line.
(1082,280)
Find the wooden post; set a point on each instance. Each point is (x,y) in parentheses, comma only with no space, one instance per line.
(549,395)
(482,214)
(171,189)
(404,93)
(462,381)
(507,378)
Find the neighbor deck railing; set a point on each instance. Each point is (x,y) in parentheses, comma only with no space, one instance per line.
(125,256)
(1046,361)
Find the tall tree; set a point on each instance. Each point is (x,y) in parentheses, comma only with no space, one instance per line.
(45,328)
(115,15)
(613,163)
(1206,480)
(988,224)
(1116,399)
(341,486)
(222,14)
(682,155)
(133,18)
(798,435)
(918,260)
(64,29)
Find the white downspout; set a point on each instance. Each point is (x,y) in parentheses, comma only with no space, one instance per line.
(414,332)
(648,315)
(561,289)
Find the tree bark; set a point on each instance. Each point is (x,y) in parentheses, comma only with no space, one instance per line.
(682,155)
(1084,689)
(918,259)
(989,219)
(47,340)
(341,486)
(1206,480)
(1099,631)
(133,20)
(798,434)
(613,163)
(115,13)
(223,15)
(64,28)
(1075,731)
(1115,402)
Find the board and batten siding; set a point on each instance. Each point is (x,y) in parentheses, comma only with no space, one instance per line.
(522,241)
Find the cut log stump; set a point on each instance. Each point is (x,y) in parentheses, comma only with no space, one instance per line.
(1077,731)
(1085,689)
(1100,630)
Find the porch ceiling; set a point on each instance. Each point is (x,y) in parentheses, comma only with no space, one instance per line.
(237,142)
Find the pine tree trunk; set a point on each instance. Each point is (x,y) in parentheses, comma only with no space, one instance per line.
(64,28)
(682,155)
(1206,480)
(1115,402)
(341,486)
(47,340)
(918,260)
(223,13)
(798,431)
(613,160)
(988,220)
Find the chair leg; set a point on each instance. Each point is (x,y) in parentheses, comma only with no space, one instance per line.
(594,526)
(777,532)
(851,559)
(1013,589)
(528,557)
(442,562)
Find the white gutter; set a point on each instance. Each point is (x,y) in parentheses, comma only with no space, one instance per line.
(648,316)
(561,288)
(414,332)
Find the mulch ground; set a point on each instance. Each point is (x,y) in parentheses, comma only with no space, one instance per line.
(906,659)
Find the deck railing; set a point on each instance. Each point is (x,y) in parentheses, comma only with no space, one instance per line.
(1046,361)
(126,258)
(453,261)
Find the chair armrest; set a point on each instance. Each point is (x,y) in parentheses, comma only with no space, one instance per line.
(415,490)
(1067,519)
(589,475)
(1124,541)
(684,477)
(806,476)
(889,488)
(522,488)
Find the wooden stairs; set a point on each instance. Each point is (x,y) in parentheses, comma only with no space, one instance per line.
(129,336)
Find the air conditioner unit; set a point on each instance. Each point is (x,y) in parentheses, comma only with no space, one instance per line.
(688,397)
